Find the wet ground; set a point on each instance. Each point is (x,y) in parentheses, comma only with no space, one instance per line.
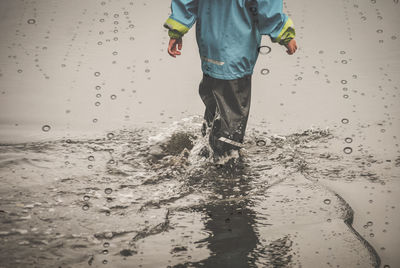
(146,198)
(100,142)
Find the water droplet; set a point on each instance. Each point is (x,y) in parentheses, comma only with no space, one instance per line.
(110,135)
(115,53)
(91,158)
(264,71)
(105,251)
(98,87)
(379,31)
(264,50)
(97,74)
(86,198)
(147,70)
(106,244)
(108,213)
(342,52)
(98,95)
(261,143)
(105,261)
(97,103)
(345,121)
(46,128)
(345,96)
(108,190)
(85,207)
(19,71)
(343,82)
(347,150)
(31,21)
(348,140)
(327,201)
(370,223)
(113,97)
(95,120)
(344,61)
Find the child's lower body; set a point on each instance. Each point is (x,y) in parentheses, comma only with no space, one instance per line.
(227,110)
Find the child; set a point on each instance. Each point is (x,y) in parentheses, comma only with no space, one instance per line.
(228,34)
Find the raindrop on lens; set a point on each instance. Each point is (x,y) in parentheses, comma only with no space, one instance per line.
(108,190)
(345,96)
(110,135)
(106,244)
(264,50)
(94,120)
(348,140)
(86,198)
(97,103)
(327,201)
(345,121)
(97,74)
(31,21)
(344,61)
(370,223)
(46,128)
(105,261)
(343,82)
(85,207)
(347,150)
(91,158)
(113,97)
(379,31)
(105,251)
(264,71)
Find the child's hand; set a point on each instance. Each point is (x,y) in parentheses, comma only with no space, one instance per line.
(173,45)
(291,47)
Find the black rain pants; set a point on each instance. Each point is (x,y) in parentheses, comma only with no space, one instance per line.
(227,110)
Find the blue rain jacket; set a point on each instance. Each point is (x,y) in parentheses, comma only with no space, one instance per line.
(228,32)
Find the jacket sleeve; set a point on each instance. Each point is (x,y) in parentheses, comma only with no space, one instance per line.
(183,16)
(274,23)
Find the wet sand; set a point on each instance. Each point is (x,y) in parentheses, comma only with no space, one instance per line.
(94,119)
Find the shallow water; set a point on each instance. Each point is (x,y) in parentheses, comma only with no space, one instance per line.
(138,197)
(95,116)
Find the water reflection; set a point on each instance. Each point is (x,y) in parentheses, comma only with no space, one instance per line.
(230,220)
